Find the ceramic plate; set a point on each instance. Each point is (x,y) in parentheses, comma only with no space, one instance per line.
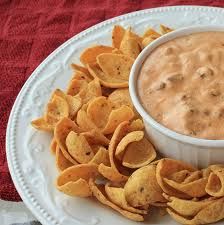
(30,162)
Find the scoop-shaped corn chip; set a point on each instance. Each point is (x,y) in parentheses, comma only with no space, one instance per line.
(53,145)
(61,162)
(215,185)
(117,36)
(138,154)
(117,196)
(180,176)
(151,32)
(62,129)
(57,92)
(75,86)
(74,103)
(102,156)
(120,97)
(89,55)
(118,134)
(165,168)
(92,90)
(126,140)
(142,187)
(130,45)
(57,109)
(147,40)
(99,110)
(115,65)
(74,180)
(82,76)
(105,80)
(78,147)
(194,189)
(187,207)
(111,174)
(209,214)
(196,175)
(117,51)
(84,122)
(95,136)
(165,29)
(42,124)
(136,125)
(106,91)
(79,68)
(99,193)
(117,116)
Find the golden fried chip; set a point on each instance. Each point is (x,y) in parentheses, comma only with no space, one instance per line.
(126,140)
(95,137)
(180,176)
(118,134)
(117,51)
(111,174)
(102,156)
(42,124)
(150,32)
(120,97)
(62,129)
(57,92)
(79,68)
(193,177)
(187,207)
(165,168)
(215,185)
(117,36)
(142,188)
(130,45)
(116,195)
(193,189)
(92,134)
(99,110)
(74,103)
(115,65)
(99,193)
(53,145)
(74,180)
(78,75)
(84,122)
(61,162)
(89,55)
(78,147)
(138,154)
(56,109)
(92,90)
(209,214)
(117,116)
(147,40)
(105,80)
(165,29)
(136,125)
(75,86)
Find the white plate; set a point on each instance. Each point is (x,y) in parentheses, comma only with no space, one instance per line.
(30,162)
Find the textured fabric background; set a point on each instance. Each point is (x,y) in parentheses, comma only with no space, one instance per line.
(31,29)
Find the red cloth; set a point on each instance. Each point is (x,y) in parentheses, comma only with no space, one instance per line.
(30,30)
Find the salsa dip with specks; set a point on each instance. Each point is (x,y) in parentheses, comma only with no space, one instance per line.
(181,85)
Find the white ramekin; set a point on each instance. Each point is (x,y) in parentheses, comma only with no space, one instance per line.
(199,152)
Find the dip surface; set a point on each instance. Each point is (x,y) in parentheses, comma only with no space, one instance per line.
(181,85)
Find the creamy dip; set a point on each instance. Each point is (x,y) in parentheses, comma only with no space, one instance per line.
(181,85)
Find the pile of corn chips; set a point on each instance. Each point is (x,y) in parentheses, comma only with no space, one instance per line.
(98,136)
